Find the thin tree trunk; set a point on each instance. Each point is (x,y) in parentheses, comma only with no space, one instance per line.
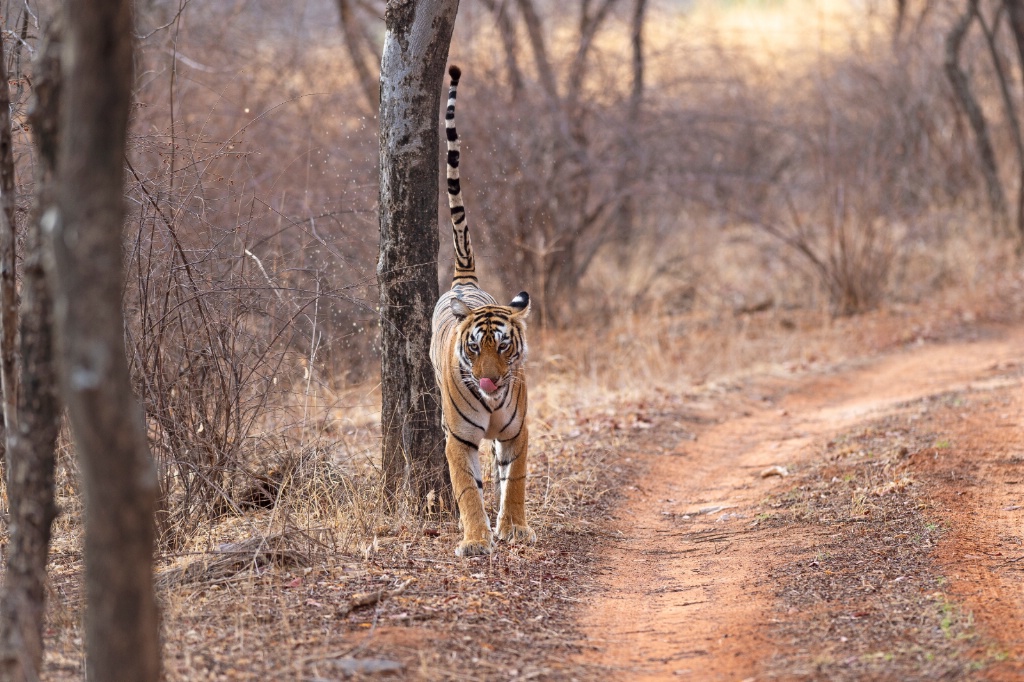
(507,31)
(625,213)
(369,84)
(1015,9)
(412,70)
(540,55)
(901,15)
(636,94)
(118,476)
(32,447)
(975,116)
(589,26)
(8,239)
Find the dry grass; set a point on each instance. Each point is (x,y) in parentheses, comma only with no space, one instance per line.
(270,591)
(281,617)
(277,592)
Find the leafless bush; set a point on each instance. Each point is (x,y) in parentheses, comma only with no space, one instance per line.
(247,257)
(837,157)
(840,154)
(871,162)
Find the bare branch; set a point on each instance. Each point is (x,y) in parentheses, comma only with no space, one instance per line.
(540,54)
(507,31)
(962,90)
(353,41)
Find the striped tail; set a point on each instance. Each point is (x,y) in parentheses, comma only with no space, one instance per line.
(465,262)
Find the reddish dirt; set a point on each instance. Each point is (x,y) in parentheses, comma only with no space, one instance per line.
(690,584)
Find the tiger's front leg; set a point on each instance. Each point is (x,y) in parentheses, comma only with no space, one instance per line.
(464,467)
(510,458)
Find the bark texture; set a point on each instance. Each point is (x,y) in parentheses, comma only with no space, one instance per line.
(1008,105)
(416,44)
(8,280)
(31,446)
(118,475)
(8,238)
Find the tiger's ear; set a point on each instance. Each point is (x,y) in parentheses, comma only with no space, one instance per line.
(460,310)
(521,304)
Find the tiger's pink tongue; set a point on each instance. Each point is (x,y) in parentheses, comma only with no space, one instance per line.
(488,385)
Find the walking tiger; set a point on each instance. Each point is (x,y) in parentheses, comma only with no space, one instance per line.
(478,350)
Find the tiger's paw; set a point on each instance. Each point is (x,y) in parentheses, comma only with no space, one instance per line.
(469,548)
(516,534)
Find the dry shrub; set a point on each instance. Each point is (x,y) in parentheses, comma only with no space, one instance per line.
(825,149)
(846,150)
(247,260)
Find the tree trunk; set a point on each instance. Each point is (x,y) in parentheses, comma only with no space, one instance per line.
(509,40)
(32,445)
(975,116)
(1015,10)
(901,15)
(8,280)
(540,55)
(625,212)
(369,85)
(118,475)
(412,71)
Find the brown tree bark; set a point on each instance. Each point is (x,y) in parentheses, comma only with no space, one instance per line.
(118,476)
(8,281)
(590,23)
(32,445)
(975,116)
(412,70)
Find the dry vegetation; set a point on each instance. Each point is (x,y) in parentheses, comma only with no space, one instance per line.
(793,165)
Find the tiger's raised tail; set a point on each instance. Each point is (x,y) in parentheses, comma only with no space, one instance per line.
(465,262)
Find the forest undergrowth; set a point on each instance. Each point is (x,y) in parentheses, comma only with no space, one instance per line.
(326,575)
(795,189)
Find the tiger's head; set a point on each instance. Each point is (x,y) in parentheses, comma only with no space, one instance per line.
(491,343)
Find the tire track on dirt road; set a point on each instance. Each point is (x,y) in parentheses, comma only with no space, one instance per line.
(685,590)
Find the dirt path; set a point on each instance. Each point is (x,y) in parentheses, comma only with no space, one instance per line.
(690,585)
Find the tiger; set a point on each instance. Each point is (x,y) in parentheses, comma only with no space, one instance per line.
(478,350)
